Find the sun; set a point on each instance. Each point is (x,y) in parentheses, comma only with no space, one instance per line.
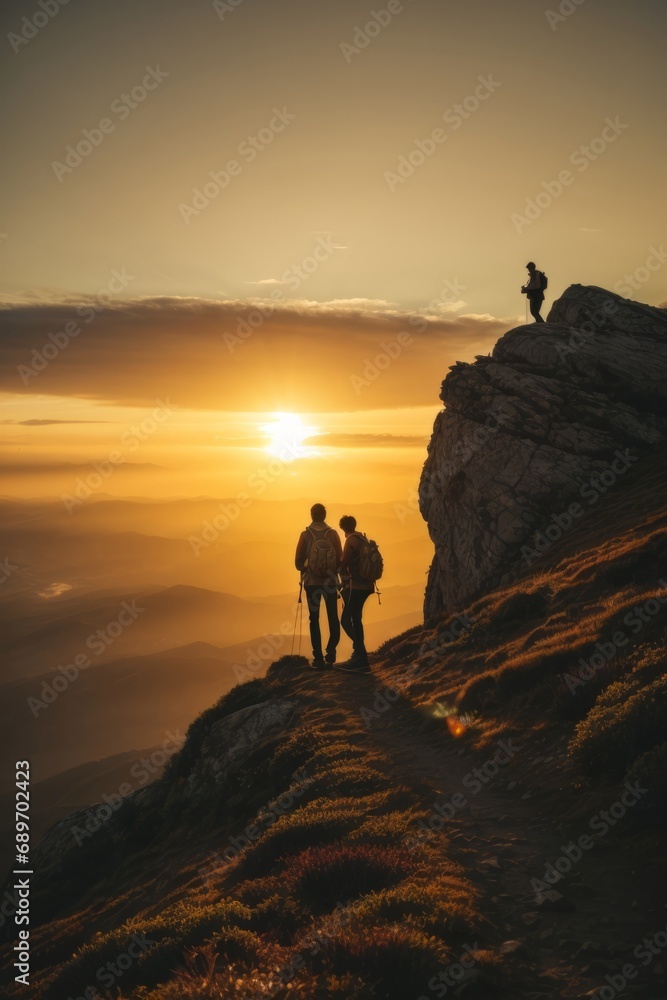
(286,435)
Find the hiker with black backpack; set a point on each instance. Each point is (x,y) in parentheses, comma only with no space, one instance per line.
(318,556)
(360,569)
(535,288)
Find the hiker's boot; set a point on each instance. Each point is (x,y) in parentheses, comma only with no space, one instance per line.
(318,663)
(330,658)
(357,664)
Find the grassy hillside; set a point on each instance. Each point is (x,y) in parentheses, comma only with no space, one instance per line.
(459,823)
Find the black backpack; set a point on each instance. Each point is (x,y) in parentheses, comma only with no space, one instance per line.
(371,564)
(544,281)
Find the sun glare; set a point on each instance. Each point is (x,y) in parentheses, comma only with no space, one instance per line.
(286,435)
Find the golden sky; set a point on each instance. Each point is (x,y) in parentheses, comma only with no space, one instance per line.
(235,210)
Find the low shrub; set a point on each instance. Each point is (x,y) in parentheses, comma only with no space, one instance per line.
(326,875)
(626,721)
(446,908)
(394,962)
(146,951)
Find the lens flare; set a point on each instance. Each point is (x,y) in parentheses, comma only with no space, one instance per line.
(455,724)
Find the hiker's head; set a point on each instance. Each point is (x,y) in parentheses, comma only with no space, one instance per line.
(318,512)
(348,524)
(531,265)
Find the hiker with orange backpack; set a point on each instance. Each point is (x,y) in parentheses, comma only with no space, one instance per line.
(318,555)
(360,568)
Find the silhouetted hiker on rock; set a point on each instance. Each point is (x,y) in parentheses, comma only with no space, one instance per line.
(534,289)
(360,568)
(318,555)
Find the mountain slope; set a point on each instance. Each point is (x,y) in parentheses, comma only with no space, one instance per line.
(257,849)
(480,817)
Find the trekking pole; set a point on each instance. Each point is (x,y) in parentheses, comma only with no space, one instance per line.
(300,624)
(377,591)
(299,607)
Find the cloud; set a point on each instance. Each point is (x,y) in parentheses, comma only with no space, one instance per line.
(266,281)
(334,440)
(75,468)
(47,423)
(256,354)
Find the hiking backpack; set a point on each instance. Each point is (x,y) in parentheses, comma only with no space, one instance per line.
(371,564)
(322,558)
(544,281)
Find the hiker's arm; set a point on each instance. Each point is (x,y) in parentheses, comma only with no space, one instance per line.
(347,555)
(338,547)
(301,553)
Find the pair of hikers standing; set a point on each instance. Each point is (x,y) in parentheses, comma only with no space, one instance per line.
(323,562)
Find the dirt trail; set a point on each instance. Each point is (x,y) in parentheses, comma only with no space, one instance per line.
(505,822)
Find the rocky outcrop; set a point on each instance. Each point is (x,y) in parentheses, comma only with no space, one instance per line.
(230,741)
(553,417)
(102,828)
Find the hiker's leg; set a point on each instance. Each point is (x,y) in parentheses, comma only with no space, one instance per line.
(346,617)
(331,603)
(357,600)
(535,306)
(314,595)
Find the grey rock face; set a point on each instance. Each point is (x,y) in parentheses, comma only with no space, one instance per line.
(525,432)
(231,740)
